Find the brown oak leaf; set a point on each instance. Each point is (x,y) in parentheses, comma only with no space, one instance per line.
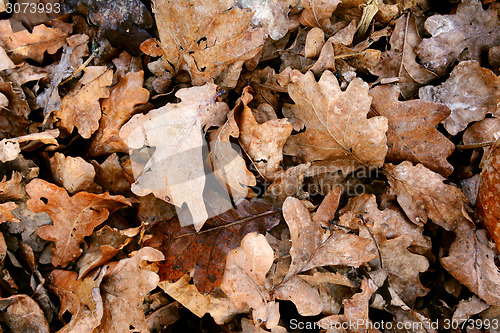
(117,110)
(26,45)
(22,314)
(245,279)
(442,203)
(123,289)
(412,133)
(81,108)
(470,92)
(205,37)
(80,297)
(471,261)
(400,61)
(461,36)
(73,217)
(488,205)
(205,251)
(73,173)
(317,13)
(336,124)
(262,142)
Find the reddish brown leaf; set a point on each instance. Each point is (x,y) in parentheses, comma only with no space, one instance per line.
(412,133)
(206,250)
(73,217)
(488,204)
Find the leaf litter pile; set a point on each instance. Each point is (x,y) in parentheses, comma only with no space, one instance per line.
(251,166)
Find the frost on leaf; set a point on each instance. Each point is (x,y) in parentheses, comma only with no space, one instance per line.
(470,92)
(205,37)
(335,121)
(73,217)
(461,36)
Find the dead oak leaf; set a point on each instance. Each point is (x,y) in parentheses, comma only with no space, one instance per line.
(117,109)
(22,314)
(412,133)
(175,171)
(262,142)
(81,108)
(317,13)
(6,209)
(205,37)
(206,250)
(470,92)
(471,261)
(73,173)
(461,36)
(400,61)
(73,217)
(336,123)
(245,279)
(26,45)
(355,310)
(123,289)
(80,297)
(487,203)
(443,204)
(313,247)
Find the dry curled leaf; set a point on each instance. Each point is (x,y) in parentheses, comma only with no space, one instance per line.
(262,142)
(81,108)
(470,92)
(117,110)
(317,13)
(205,251)
(205,37)
(73,217)
(400,61)
(461,36)
(336,124)
(412,133)
(72,173)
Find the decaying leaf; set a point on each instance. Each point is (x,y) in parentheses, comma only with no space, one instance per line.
(461,36)
(73,217)
(412,133)
(81,298)
(269,14)
(470,92)
(117,110)
(81,108)
(487,204)
(336,124)
(10,148)
(443,204)
(205,37)
(205,251)
(400,61)
(317,13)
